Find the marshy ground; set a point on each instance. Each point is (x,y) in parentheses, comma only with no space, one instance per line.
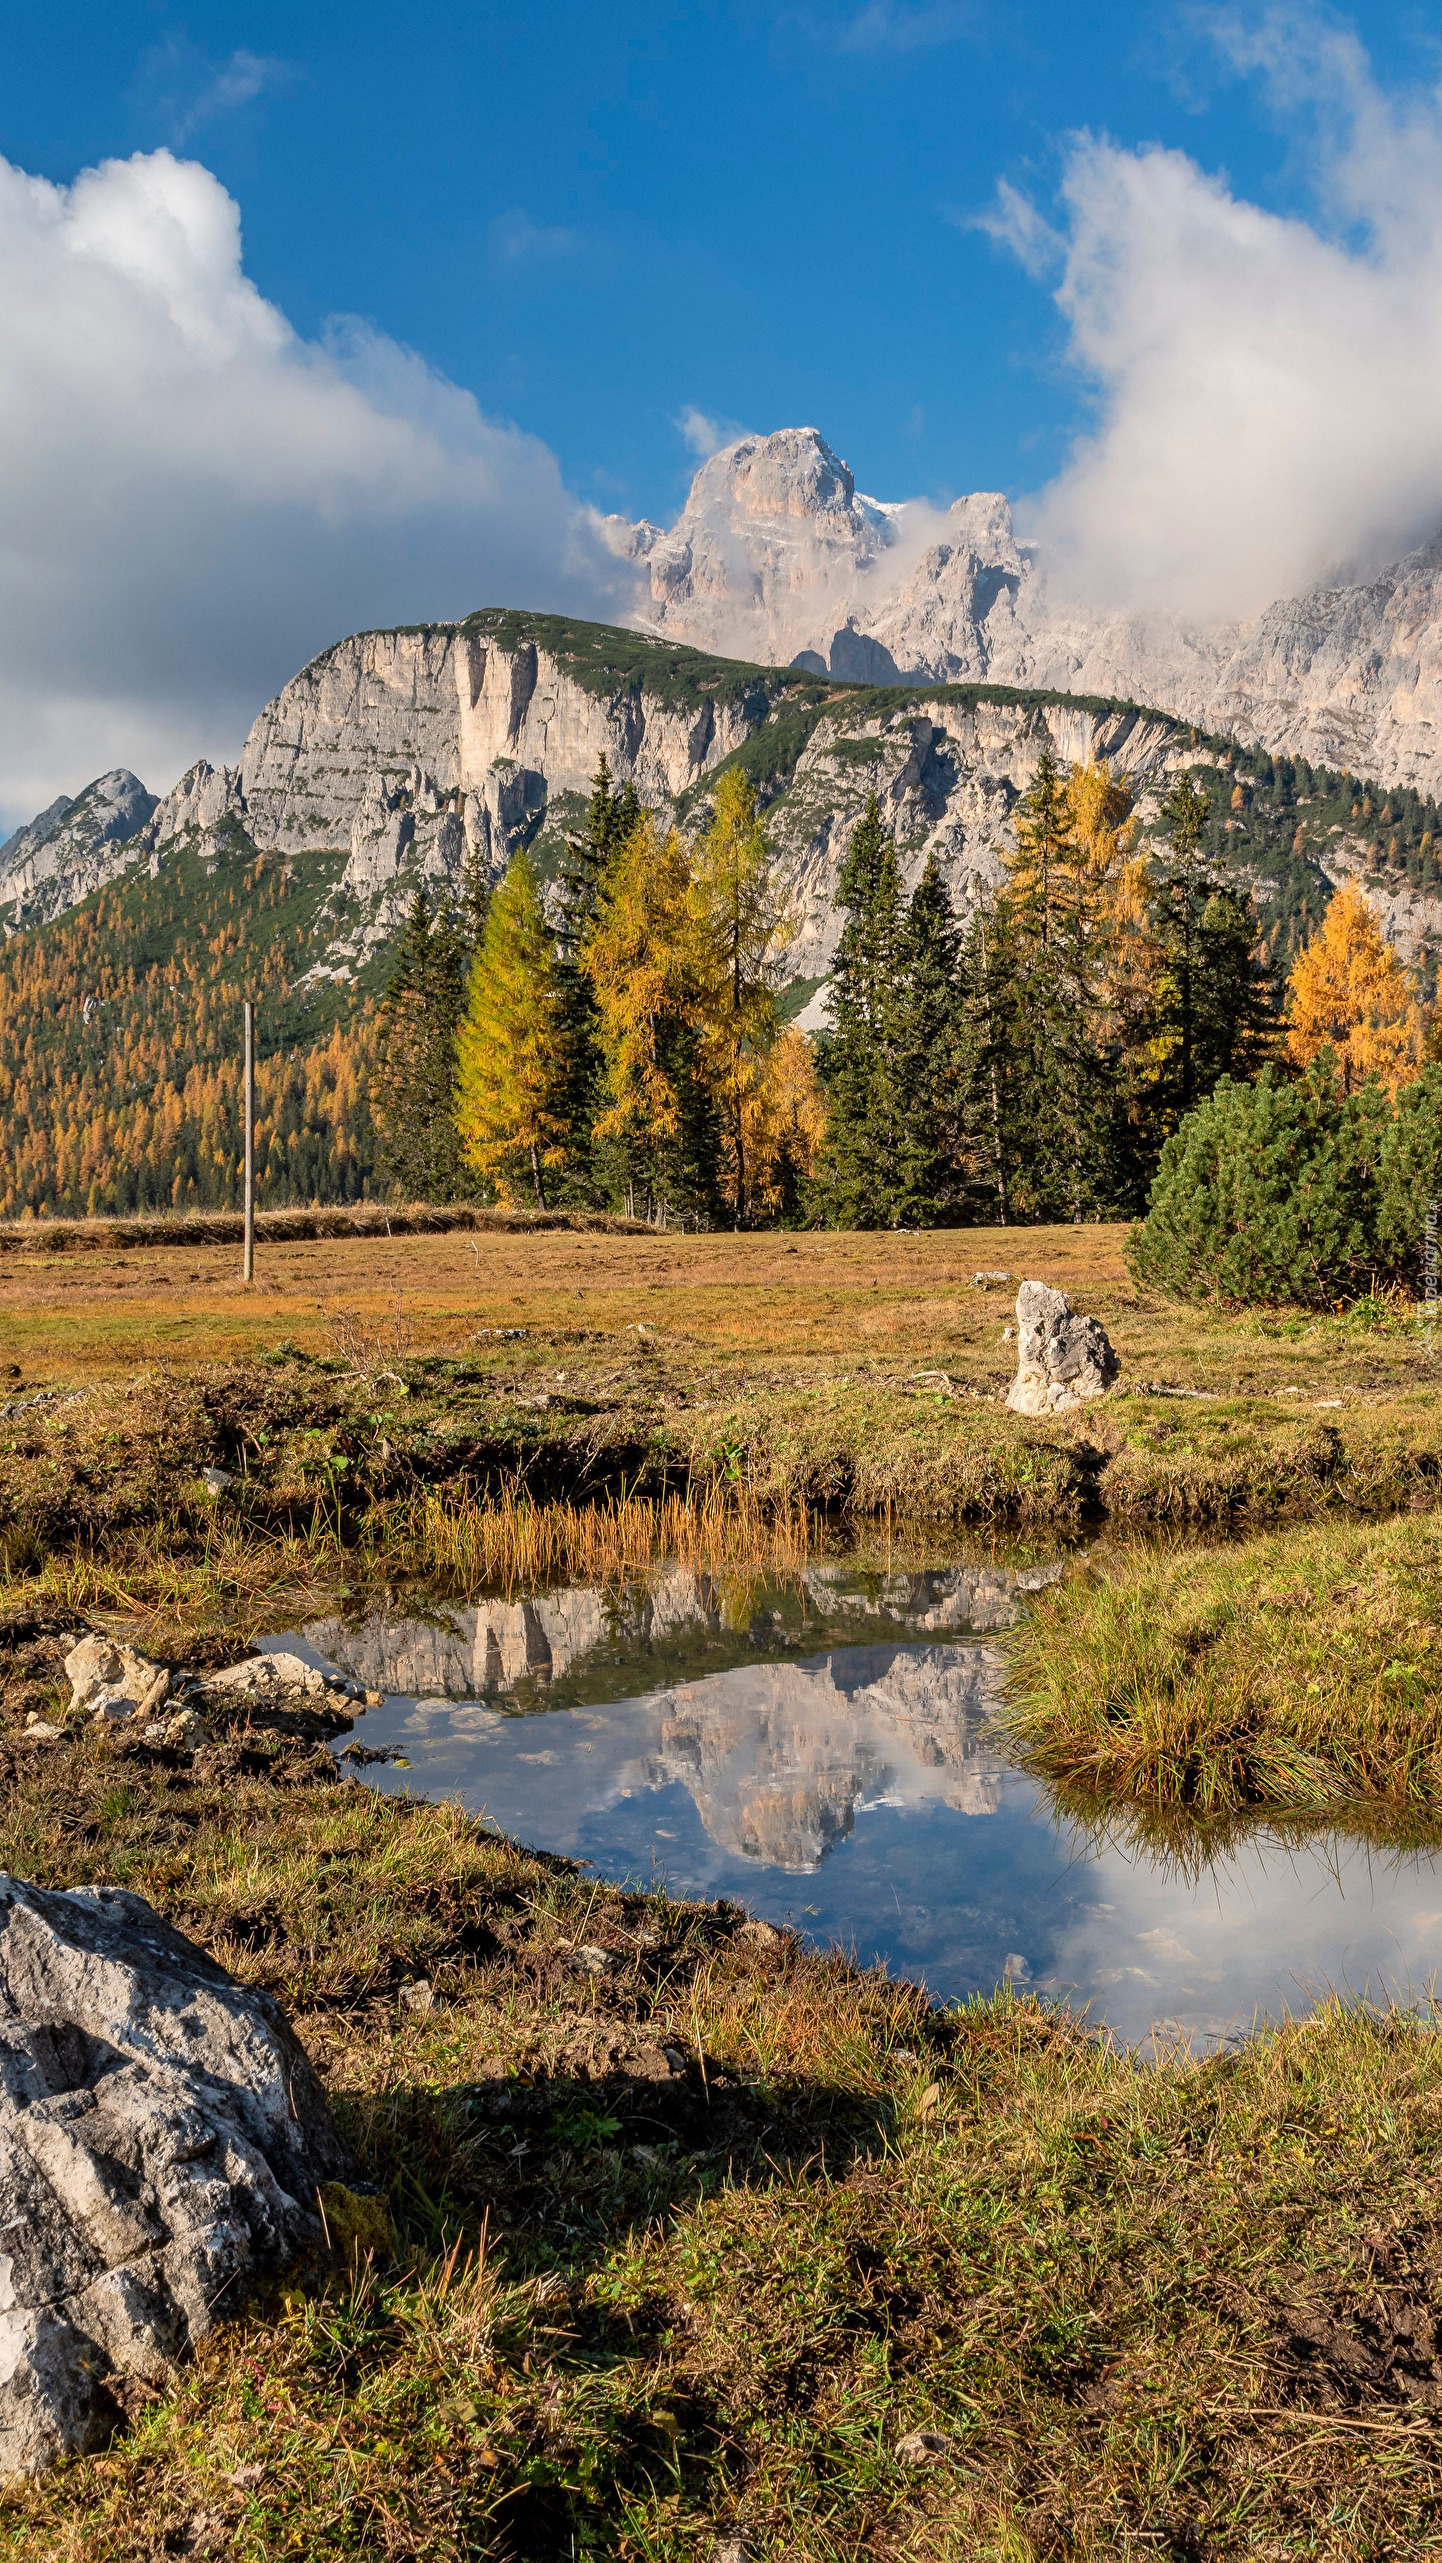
(694,2227)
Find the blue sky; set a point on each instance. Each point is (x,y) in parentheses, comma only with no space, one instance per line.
(317,317)
(601,219)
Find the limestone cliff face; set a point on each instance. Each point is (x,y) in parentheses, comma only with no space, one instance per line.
(411,749)
(777,554)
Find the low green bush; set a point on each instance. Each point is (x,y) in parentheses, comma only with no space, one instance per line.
(1291,1190)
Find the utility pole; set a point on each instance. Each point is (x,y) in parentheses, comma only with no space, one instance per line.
(248,1272)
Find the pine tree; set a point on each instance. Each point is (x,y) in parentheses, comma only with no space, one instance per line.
(514,1072)
(738,923)
(1349,991)
(418,1152)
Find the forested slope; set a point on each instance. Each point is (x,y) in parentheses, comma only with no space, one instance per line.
(120,1042)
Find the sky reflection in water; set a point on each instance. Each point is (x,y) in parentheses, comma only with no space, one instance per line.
(820,1751)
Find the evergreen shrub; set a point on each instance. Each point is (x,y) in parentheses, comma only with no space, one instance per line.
(1294,1191)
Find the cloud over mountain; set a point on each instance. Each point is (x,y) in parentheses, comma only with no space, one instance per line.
(1269,389)
(193,498)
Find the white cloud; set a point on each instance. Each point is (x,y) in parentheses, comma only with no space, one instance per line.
(193,499)
(1269,390)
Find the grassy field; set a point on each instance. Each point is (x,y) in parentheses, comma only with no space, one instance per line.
(846,1372)
(688,2245)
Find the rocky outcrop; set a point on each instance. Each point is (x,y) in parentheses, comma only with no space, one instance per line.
(1062,1359)
(162,2137)
(72,848)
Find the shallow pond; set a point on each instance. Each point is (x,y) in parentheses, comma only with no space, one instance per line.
(820,1749)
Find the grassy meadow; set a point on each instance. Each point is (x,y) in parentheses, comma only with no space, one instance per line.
(699,2242)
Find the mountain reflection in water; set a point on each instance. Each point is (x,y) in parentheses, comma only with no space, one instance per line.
(819,1747)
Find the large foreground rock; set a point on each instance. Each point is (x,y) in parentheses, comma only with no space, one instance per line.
(1062,1359)
(162,2139)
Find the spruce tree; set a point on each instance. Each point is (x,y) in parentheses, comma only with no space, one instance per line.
(585,875)
(927,1015)
(417,1149)
(858,1058)
(1182,886)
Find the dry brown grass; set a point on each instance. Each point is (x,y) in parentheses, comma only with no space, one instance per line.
(836,1301)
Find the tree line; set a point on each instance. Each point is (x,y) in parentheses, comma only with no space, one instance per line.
(1027,1060)
(622,1051)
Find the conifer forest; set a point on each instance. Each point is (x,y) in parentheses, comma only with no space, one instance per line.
(613,1032)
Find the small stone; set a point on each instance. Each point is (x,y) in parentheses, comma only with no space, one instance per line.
(762,1933)
(113,1709)
(188,1732)
(92,1665)
(922,2447)
(216,1480)
(40,1731)
(374,1699)
(675,2059)
(418,1996)
(264,1676)
(597,1962)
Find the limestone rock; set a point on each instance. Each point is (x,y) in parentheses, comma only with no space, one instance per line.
(162,2136)
(1062,1359)
(97,1668)
(271,1677)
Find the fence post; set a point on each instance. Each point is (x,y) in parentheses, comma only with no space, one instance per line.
(248,1272)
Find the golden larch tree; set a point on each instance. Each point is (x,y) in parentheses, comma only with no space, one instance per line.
(1348,989)
(511,1054)
(640,956)
(740,930)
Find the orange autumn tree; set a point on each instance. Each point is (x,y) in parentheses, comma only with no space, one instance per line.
(1349,990)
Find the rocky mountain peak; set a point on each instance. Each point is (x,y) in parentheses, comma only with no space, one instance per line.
(73,846)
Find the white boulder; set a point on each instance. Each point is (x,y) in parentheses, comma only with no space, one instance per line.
(1062,1359)
(162,2139)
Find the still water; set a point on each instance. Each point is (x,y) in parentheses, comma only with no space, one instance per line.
(820,1749)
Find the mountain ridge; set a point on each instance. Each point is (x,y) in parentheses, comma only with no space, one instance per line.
(776,552)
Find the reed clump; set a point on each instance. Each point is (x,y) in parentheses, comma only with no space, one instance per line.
(505,1542)
(1300,1674)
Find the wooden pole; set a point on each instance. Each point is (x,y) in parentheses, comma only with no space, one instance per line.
(248,1273)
